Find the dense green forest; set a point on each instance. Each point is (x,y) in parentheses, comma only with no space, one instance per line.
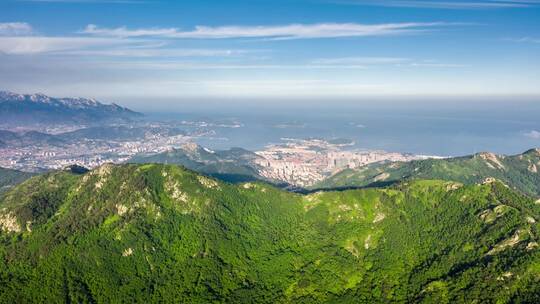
(161,233)
(233,165)
(521,172)
(10,178)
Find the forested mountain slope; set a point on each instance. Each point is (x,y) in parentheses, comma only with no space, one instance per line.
(10,178)
(161,233)
(521,172)
(233,165)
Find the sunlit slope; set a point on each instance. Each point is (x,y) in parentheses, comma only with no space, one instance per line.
(161,233)
(233,165)
(521,172)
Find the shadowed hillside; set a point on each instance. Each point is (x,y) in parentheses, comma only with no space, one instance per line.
(10,178)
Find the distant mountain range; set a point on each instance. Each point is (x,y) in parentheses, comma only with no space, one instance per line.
(151,233)
(20,109)
(520,172)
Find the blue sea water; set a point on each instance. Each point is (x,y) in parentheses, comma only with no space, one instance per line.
(449,130)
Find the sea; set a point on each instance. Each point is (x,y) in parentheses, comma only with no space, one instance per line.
(436,129)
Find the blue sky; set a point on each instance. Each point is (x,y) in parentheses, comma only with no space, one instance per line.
(270,48)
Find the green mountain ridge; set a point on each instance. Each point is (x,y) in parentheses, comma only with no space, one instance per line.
(233,165)
(521,172)
(161,233)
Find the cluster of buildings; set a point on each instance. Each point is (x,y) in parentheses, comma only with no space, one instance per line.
(305,162)
(84,152)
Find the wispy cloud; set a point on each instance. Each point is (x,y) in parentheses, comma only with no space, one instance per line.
(485,4)
(18,38)
(155,52)
(15,28)
(533,134)
(103,47)
(525,40)
(38,45)
(176,66)
(428,64)
(179,65)
(385,61)
(291,31)
(361,60)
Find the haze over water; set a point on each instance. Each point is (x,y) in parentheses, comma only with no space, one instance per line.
(444,129)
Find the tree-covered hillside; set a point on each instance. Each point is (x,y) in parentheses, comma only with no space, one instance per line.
(521,172)
(233,165)
(10,178)
(161,233)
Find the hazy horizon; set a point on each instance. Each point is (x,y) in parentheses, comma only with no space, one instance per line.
(428,77)
(199,50)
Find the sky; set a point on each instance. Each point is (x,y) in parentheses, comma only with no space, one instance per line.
(270,49)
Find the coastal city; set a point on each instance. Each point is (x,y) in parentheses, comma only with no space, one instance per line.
(302,163)
(89,147)
(297,162)
(89,154)
(69,135)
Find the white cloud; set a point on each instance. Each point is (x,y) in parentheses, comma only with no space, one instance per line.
(525,39)
(175,65)
(102,47)
(392,61)
(155,52)
(361,60)
(533,134)
(37,45)
(436,65)
(15,28)
(291,31)
(124,32)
